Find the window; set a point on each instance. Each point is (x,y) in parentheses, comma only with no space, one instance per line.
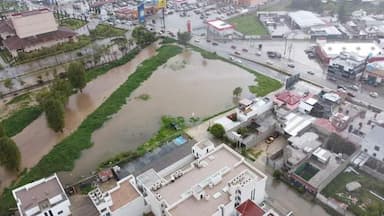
(377,148)
(60,212)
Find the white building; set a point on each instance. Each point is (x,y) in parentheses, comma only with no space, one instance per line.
(373,143)
(202,148)
(214,184)
(124,199)
(45,197)
(219,30)
(305,19)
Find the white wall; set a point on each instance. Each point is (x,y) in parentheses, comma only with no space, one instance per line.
(134,208)
(64,206)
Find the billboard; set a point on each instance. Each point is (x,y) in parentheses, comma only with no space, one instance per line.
(162,3)
(141,13)
(292,80)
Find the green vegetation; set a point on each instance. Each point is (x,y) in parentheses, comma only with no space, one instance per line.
(8,83)
(6,55)
(9,152)
(142,36)
(237,91)
(265,84)
(72,23)
(217,114)
(277,174)
(206,54)
(306,171)
(144,97)
(168,40)
(68,150)
(167,132)
(55,50)
(105,31)
(183,37)
(95,72)
(20,119)
(54,111)
(366,203)
(19,98)
(76,75)
(217,130)
(253,154)
(248,24)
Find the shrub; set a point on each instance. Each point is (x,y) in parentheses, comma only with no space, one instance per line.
(217,130)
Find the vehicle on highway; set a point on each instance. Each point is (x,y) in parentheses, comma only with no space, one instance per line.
(354,87)
(269,62)
(258,53)
(373,94)
(244,50)
(208,41)
(269,140)
(237,53)
(215,44)
(350,94)
(291,65)
(310,72)
(197,40)
(233,47)
(271,54)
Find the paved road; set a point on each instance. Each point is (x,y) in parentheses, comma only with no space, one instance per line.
(225,50)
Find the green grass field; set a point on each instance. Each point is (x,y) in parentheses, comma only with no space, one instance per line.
(367,203)
(248,24)
(73,23)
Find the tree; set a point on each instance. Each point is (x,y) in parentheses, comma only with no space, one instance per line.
(54,111)
(237,91)
(142,36)
(183,37)
(76,75)
(2,131)
(217,130)
(8,83)
(277,174)
(10,156)
(61,89)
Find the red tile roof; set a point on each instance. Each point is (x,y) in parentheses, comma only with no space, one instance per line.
(249,208)
(15,43)
(288,97)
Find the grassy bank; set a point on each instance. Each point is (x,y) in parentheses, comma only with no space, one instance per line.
(72,23)
(248,24)
(106,31)
(68,150)
(264,85)
(165,133)
(20,119)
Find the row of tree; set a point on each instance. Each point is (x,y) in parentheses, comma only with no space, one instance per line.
(54,99)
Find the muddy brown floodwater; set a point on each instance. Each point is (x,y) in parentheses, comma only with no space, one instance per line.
(187,85)
(37,139)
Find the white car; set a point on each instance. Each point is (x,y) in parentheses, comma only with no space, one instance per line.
(258,53)
(269,62)
(373,94)
(197,40)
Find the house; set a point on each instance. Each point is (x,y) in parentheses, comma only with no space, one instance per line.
(249,208)
(32,30)
(373,144)
(202,148)
(124,199)
(215,184)
(45,197)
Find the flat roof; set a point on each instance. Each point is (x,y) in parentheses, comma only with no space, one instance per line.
(220,25)
(308,141)
(305,19)
(204,143)
(325,170)
(360,49)
(296,122)
(46,190)
(123,193)
(222,161)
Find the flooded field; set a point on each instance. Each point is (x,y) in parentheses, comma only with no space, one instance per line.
(187,85)
(37,139)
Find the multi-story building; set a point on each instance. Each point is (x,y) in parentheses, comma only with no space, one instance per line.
(214,184)
(346,66)
(124,199)
(32,30)
(45,197)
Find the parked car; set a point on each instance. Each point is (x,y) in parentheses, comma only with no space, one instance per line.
(354,87)
(350,94)
(310,72)
(197,40)
(258,53)
(275,134)
(269,62)
(291,65)
(269,140)
(373,94)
